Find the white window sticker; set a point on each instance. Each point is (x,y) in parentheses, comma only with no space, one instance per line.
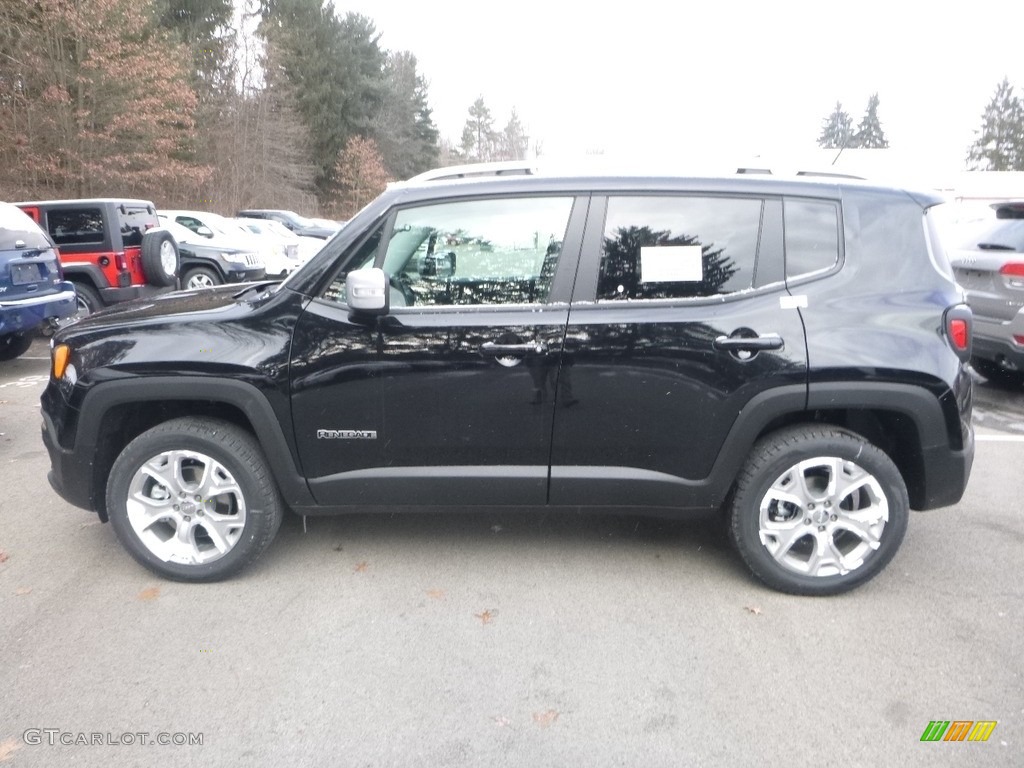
(671,264)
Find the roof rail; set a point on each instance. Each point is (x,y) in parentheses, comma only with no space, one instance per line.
(820,174)
(474,170)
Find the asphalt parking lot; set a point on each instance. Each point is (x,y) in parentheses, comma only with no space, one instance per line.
(504,639)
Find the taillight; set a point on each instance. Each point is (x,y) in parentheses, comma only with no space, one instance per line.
(121,261)
(1013,274)
(958,333)
(958,328)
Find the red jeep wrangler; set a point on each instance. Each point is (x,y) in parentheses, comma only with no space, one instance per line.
(112,250)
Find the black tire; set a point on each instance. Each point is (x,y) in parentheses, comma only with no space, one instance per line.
(161,260)
(179,525)
(14,345)
(89,301)
(204,277)
(794,529)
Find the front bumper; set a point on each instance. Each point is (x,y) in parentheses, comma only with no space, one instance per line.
(245,275)
(71,469)
(27,314)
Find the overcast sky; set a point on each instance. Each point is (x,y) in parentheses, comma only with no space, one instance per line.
(719,79)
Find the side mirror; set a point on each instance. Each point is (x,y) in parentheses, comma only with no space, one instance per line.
(204,231)
(366,291)
(440,265)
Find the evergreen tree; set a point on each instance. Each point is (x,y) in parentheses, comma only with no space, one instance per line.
(513,141)
(404,128)
(335,68)
(204,28)
(869,133)
(999,145)
(836,130)
(479,138)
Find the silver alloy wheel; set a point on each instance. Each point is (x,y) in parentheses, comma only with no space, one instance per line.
(185,507)
(168,258)
(199,280)
(823,517)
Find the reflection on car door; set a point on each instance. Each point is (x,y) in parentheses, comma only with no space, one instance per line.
(679,321)
(464,368)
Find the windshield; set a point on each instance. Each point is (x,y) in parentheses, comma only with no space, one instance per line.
(299,221)
(1000,235)
(181,234)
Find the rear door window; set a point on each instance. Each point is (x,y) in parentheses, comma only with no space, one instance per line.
(678,247)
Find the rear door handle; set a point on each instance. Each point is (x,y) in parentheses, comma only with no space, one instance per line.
(752,344)
(514,350)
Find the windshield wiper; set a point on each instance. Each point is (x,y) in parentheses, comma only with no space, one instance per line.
(995,247)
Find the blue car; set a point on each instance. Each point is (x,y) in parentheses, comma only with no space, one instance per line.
(33,291)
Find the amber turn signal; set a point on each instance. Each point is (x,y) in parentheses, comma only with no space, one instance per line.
(59,360)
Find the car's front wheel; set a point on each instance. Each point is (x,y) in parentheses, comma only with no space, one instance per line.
(818,510)
(193,499)
(200,277)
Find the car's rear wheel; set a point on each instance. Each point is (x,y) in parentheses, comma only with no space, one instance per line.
(160,258)
(200,277)
(193,499)
(14,345)
(818,510)
(88,301)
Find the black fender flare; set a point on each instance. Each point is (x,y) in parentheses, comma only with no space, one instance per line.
(92,274)
(266,424)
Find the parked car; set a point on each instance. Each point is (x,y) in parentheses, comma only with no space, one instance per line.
(205,264)
(791,355)
(300,225)
(112,249)
(989,264)
(332,224)
(33,291)
(292,250)
(227,233)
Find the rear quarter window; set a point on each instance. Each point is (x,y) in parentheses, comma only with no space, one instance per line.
(134,222)
(812,236)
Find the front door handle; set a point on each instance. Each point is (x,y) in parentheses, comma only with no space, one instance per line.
(514,350)
(744,344)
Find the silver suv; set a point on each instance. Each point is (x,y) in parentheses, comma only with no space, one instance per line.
(990,267)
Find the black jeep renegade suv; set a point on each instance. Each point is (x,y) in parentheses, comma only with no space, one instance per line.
(789,352)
